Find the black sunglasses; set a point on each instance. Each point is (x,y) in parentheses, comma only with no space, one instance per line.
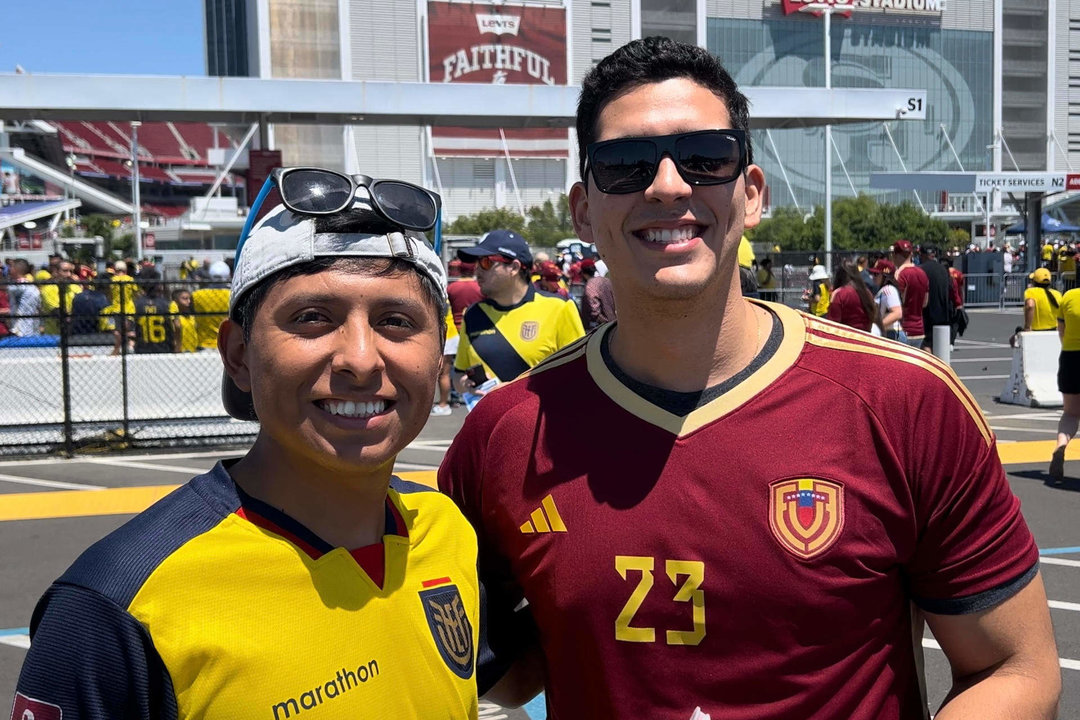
(628,165)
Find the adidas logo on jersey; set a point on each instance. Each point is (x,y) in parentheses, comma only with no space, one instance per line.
(544,519)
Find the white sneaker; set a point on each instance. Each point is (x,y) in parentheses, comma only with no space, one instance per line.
(441,410)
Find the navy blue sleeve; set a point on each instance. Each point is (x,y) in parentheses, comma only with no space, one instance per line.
(91,660)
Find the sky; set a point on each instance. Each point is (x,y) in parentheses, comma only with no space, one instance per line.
(111,37)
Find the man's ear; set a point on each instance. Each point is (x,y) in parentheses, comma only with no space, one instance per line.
(233,350)
(579,212)
(754,178)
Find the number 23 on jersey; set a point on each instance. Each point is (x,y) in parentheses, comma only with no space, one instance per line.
(686,578)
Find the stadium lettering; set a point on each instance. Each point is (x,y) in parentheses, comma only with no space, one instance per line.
(497,57)
(345,680)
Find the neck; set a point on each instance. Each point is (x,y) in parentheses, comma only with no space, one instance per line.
(346,509)
(512,294)
(687,345)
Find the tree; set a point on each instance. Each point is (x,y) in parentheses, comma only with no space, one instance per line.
(485,220)
(543,226)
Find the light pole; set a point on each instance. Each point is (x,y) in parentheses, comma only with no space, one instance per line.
(826,11)
(136,215)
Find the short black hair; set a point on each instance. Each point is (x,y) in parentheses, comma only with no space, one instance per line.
(653,60)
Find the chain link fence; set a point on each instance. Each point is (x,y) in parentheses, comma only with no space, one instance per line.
(112,364)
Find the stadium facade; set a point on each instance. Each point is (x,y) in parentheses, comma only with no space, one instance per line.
(1019,117)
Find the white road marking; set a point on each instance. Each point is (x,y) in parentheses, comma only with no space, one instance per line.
(440,446)
(19,480)
(1058,561)
(975,344)
(1066,663)
(1045,415)
(997,359)
(414,466)
(1042,431)
(19,641)
(1061,605)
(983,377)
(146,466)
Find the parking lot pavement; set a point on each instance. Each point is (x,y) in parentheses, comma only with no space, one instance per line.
(52,509)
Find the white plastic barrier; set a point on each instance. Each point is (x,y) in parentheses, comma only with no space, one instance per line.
(1033,380)
(160,386)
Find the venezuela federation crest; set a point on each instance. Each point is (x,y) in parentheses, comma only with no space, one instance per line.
(806,514)
(450,628)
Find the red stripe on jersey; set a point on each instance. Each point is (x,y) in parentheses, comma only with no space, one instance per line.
(436,581)
(259,521)
(371,560)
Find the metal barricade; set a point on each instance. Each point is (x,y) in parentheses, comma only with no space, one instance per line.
(111,365)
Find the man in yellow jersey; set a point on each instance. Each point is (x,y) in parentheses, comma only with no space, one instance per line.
(1040,302)
(122,308)
(210,305)
(515,326)
(819,293)
(62,280)
(304,575)
(185,336)
(1068,378)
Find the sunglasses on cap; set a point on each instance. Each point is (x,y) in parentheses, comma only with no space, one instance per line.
(628,165)
(487,262)
(317,191)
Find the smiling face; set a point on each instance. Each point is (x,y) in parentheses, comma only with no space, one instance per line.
(342,367)
(672,240)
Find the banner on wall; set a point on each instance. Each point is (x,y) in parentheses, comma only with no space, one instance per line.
(501,44)
(844,7)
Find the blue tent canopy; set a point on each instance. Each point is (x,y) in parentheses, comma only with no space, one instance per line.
(1049,225)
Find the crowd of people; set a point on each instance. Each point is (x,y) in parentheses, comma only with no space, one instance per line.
(127,304)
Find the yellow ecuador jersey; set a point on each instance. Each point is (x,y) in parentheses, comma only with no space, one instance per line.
(507,341)
(50,305)
(746,252)
(821,307)
(1069,312)
(188,336)
(123,295)
(1045,316)
(196,610)
(211,307)
(451,328)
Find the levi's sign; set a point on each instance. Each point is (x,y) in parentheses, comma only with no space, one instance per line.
(901,7)
(498,24)
(1020,182)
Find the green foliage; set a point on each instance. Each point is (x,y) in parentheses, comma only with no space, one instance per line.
(99,225)
(859,223)
(121,246)
(543,226)
(959,238)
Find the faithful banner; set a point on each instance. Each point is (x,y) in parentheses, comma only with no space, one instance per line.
(502,44)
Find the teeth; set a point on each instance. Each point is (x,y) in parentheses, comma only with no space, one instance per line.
(353,409)
(665,236)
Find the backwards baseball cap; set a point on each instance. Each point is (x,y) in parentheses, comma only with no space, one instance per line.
(883,267)
(902,247)
(499,242)
(283,239)
(1041,276)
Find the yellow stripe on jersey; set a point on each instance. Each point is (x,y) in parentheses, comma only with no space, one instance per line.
(944,374)
(912,354)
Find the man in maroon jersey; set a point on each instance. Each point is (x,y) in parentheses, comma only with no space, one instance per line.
(914,292)
(706,551)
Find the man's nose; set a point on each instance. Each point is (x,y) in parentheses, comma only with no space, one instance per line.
(667,184)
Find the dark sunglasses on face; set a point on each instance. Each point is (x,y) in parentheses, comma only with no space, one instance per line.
(486,262)
(628,165)
(317,191)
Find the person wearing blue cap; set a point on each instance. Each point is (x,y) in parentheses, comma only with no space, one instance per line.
(515,326)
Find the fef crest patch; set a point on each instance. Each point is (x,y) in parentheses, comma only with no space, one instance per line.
(450,628)
(806,514)
(530,329)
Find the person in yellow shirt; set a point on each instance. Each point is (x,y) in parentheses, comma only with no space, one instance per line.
(63,276)
(1047,253)
(122,287)
(185,337)
(819,292)
(1067,265)
(211,307)
(1040,302)
(1068,378)
(766,280)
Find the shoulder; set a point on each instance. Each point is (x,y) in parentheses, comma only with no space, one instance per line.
(117,565)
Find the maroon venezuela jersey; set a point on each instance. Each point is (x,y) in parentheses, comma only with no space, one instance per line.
(914,286)
(727,559)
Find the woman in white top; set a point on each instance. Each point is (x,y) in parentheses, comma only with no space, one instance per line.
(888,301)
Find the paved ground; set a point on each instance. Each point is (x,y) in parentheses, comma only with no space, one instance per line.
(50,510)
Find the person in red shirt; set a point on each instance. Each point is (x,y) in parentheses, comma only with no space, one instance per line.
(959,322)
(914,292)
(549,281)
(461,293)
(851,303)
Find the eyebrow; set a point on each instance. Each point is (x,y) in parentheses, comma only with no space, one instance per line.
(318,298)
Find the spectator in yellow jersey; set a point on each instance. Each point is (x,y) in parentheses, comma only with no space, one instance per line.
(211,305)
(63,280)
(304,575)
(1068,378)
(1040,302)
(1067,265)
(819,292)
(122,308)
(514,327)
(766,280)
(185,337)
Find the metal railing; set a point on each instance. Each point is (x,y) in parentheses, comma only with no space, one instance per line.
(113,369)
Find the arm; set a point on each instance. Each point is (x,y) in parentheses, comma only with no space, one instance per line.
(1029,313)
(1004,660)
(892,317)
(1061,329)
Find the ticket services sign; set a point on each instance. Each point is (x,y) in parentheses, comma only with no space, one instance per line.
(501,44)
